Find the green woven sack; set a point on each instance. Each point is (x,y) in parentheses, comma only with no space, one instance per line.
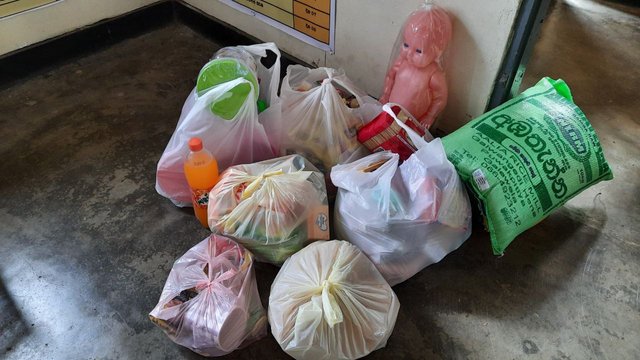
(526,158)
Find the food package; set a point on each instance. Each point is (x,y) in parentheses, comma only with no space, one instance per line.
(232,131)
(329,302)
(274,207)
(527,157)
(210,302)
(383,133)
(403,216)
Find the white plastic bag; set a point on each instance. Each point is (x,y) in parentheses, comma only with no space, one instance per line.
(329,302)
(246,138)
(316,121)
(404,217)
(269,78)
(274,207)
(210,302)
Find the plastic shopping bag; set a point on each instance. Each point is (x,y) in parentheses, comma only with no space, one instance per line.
(404,217)
(246,138)
(527,157)
(210,302)
(274,207)
(321,111)
(329,302)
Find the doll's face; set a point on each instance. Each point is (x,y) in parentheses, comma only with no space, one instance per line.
(426,35)
(418,50)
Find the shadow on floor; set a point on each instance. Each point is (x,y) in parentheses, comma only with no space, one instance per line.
(13,328)
(539,265)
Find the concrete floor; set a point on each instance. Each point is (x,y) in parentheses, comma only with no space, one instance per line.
(86,243)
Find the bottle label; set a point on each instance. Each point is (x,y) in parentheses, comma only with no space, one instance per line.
(318,223)
(200,197)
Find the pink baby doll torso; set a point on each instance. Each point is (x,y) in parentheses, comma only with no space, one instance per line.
(415,93)
(416,80)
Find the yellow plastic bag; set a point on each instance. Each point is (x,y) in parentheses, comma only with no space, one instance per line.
(274,208)
(330,302)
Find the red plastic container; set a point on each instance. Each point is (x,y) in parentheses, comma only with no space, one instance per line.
(383,133)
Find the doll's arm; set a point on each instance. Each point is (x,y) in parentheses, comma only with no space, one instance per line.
(439,94)
(390,80)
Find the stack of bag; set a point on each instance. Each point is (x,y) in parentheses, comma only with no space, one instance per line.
(401,202)
(271,205)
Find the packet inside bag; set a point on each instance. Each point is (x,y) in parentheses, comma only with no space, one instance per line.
(329,302)
(321,110)
(527,157)
(210,302)
(274,207)
(384,133)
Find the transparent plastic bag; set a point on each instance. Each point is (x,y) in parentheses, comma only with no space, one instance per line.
(274,207)
(321,111)
(330,302)
(210,302)
(404,217)
(269,78)
(415,76)
(246,138)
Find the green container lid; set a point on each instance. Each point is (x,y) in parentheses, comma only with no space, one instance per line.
(219,71)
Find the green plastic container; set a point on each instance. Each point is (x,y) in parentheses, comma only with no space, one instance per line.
(224,68)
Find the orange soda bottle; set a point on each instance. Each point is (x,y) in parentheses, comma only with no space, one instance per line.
(201,170)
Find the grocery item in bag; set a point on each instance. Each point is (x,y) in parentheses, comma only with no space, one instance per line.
(244,138)
(329,302)
(403,216)
(210,302)
(527,157)
(383,133)
(321,110)
(201,171)
(228,64)
(274,207)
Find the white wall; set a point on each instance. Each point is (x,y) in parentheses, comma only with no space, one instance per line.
(30,27)
(366,31)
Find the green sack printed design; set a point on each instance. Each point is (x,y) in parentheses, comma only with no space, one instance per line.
(526,158)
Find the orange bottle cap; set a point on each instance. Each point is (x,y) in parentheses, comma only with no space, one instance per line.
(195,144)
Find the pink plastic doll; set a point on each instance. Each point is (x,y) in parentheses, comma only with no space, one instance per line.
(416,79)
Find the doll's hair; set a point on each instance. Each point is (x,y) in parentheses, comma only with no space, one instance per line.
(428,21)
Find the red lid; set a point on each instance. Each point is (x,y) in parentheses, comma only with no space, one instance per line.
(195,144)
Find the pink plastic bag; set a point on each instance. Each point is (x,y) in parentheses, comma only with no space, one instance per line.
(210,302)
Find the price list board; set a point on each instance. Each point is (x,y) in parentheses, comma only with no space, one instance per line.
(312,21)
